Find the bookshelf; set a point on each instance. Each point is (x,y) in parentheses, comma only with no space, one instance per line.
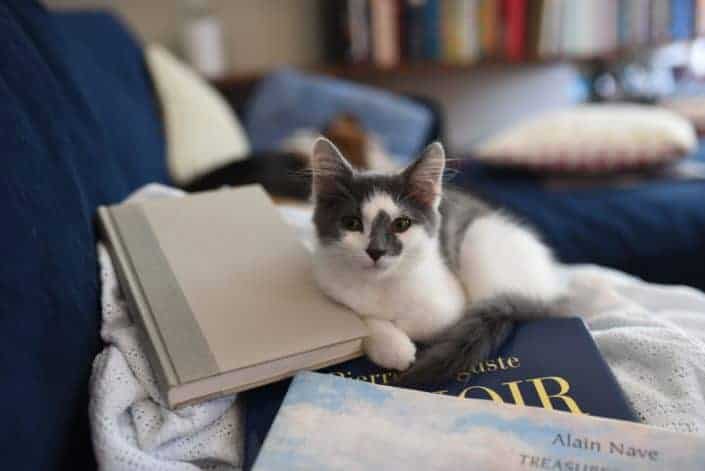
(369,71)
(367,40)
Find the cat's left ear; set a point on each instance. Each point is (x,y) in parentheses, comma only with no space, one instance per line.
(424,178)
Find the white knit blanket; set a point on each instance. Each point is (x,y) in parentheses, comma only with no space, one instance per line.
(652,336)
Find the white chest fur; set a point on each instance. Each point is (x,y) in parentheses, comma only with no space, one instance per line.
(420,301)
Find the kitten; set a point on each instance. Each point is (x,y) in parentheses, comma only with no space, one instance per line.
(422,263)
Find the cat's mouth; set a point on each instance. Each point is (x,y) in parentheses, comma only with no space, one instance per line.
(377,267)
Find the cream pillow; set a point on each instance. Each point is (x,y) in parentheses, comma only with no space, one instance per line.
(592,139)
(202,131)
(691,108)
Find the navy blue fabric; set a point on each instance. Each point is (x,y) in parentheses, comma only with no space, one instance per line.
(655,230)
(78,128)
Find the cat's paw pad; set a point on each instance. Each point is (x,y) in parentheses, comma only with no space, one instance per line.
(396,353)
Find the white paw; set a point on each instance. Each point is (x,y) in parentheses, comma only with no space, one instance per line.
(395,352)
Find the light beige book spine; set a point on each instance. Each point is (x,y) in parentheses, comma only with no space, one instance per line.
(139,307)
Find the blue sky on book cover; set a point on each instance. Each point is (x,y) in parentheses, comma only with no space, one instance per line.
(328,422)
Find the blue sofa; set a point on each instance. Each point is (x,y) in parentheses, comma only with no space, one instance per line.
(79,127)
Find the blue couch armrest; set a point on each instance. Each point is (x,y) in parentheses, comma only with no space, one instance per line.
(78,128)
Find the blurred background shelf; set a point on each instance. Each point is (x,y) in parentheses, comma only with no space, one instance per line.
(365,71)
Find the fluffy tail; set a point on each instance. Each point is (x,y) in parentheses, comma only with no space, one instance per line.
(483,329)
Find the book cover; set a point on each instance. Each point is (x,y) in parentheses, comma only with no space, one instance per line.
(553,364)
(639,20)
(414,21)
(432,29)
(358,29)
(550,30)
(700,17)
(489,27)
(470,29)
(682,13)
(659,21)
(515,20)
(458,19)
(199,272)
(450,39)
(385,32)
(534,17)
(333,423)
(346,31)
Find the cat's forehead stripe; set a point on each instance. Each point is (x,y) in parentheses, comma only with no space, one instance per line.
(377,202)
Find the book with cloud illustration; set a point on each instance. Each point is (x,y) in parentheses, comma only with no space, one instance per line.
(551,363)
(334,423)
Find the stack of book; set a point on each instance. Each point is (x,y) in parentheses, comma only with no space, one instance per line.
(390,32)
(224,294)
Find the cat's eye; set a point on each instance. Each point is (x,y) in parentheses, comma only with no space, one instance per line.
(351,223)
(401,224)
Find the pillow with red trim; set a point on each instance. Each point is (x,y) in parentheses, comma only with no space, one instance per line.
(592,139)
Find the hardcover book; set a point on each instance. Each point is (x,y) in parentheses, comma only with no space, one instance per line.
(224,293)
(431,29)
(385,32)
(515,12)
(489,27)
(552,364)
(682,18)
(333,423)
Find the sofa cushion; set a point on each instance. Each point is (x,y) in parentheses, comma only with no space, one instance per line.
(78,128)
(287,101)
(201,128)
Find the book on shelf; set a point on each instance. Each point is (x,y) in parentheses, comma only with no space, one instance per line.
(534,18)
(390,32)
(199,272)
(699,18)
(514,13)
(659,21)
(431,36)
(386,51)
(488,27)
(328,422)
(682,18)
(550,31)
(551,364)
(413,14)
(460,37)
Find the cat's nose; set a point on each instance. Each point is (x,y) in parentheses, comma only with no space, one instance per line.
(375,254)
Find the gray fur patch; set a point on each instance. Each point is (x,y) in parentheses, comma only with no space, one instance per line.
(382,238)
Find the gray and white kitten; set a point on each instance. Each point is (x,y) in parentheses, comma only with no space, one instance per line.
(422,263)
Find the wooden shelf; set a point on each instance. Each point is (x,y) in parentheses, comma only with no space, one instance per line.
(371,71)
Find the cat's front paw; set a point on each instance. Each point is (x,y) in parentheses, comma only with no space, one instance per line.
(396,352)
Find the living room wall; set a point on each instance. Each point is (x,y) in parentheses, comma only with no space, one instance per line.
(264,34)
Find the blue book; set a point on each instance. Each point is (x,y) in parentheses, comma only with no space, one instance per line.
(552,363)
(333,423)
(432,29)
(414,30)
(682,19)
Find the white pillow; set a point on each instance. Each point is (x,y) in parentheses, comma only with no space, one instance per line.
(202,131)
(592,139)
(691,108)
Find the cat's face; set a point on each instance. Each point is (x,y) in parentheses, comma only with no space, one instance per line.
(376,222)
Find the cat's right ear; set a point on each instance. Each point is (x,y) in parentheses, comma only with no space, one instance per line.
(329,168)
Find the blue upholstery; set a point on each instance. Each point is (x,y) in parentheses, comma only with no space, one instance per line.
(655,230)
(287,101)
(78,128)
